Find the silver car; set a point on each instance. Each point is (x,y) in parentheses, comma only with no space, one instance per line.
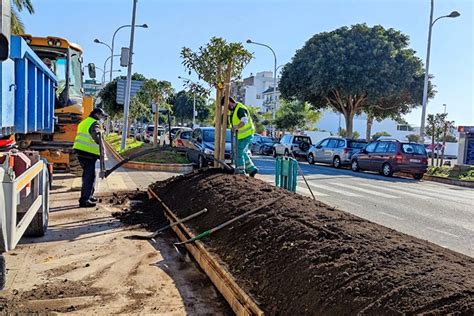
(335,150)
(296,145)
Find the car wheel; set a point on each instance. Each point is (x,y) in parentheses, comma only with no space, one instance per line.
(387,170)
(201,162)
(418,176)
(311,159)
(274,154)
(287,153)
(355,166)
(336,162)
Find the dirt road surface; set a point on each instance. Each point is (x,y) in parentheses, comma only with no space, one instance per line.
(85,265)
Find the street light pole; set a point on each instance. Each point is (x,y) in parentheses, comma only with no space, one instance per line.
(453,14)
(194,98)
(274,81)
(105,64)
(145,26)
(129,77)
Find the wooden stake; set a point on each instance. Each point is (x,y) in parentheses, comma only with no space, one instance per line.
(155,130)
(217,118)
(225,110)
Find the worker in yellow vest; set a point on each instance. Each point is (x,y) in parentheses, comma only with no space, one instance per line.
(240,120)
(87,148)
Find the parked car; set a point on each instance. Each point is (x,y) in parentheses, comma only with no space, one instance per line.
(335,150)
(182,136)
(147,134)
(390,156)
(297,145)
(202,140)
(165,138)
(262,145)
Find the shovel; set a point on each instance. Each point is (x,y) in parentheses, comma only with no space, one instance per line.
(180,246)
(153,235)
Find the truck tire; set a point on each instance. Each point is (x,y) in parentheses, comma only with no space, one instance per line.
(74,165)
(3,272)
(39,224)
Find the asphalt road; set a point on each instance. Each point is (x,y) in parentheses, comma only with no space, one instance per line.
(442,214)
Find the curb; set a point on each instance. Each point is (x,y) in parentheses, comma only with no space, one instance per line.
(150,166)
(462,183)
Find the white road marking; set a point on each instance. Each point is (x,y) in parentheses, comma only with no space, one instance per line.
(395,191)
(442,232)
(372,192)
(331,189)
(392,216)
(303,189)
(439,195)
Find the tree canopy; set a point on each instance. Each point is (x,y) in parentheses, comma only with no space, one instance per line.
(17,26)
(355,69)
(295,114)
(183,106)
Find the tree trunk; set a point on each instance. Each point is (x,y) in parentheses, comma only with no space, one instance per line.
(225,110)
(349,123)
(217,126)
(445,131)
(368,132)
(155,129)
(433,145)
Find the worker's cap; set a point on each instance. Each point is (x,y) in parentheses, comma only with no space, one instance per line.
(231,99)
(99,112)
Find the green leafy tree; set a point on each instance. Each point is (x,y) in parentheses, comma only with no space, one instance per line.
(17,26)
(380,134)
(435,130)
(183,107)
(295,114)
(343,133)
(354,69)
(414,138)
(108,96)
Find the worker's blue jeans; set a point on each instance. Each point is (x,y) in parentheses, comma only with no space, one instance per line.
(244,163)
(88,178)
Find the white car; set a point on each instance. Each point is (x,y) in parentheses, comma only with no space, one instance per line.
(148,133)
(165,138)
(297,145)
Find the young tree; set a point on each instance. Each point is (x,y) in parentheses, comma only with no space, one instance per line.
(414,138)
(218,63)
(343,133)
(354,69)
(448,126)
(380,134)
(435,125)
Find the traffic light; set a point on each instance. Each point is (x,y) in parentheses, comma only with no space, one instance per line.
(91,70)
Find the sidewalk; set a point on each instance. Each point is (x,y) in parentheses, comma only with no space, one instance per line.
(122,179)
(85,264)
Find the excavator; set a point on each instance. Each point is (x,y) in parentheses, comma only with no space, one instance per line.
(64,59)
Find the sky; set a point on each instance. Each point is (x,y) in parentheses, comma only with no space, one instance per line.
(285,25)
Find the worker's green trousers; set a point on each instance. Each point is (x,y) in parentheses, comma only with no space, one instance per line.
(244,163)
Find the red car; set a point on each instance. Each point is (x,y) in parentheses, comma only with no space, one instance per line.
(390,156)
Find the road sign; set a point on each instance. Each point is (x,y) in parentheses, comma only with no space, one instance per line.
(136,86)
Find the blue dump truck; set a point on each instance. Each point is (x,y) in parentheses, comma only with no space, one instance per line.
(27,99)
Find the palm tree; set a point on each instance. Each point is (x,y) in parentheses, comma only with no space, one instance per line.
(17,7)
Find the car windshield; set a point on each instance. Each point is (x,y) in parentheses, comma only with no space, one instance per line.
(268,140)
(208,136)
(150,128)
(415,149)
(356,145)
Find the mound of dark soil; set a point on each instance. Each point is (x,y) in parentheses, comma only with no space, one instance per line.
(299,257)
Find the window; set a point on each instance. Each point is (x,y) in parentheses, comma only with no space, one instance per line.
(186,135)
(415,149)
(301,139)
(371,147)
(287,139)
(196,133)
(341,143)
(392,148)
(324,143)
(332,143)
(259,96)
(382,147)
(357,145)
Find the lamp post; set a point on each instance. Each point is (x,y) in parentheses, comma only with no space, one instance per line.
(128,86)
(145,26)
(194,98)
(249,41)
(453,14)
(105,64)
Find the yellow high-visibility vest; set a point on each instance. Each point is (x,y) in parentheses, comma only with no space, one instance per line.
(84,140)
(246,130)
